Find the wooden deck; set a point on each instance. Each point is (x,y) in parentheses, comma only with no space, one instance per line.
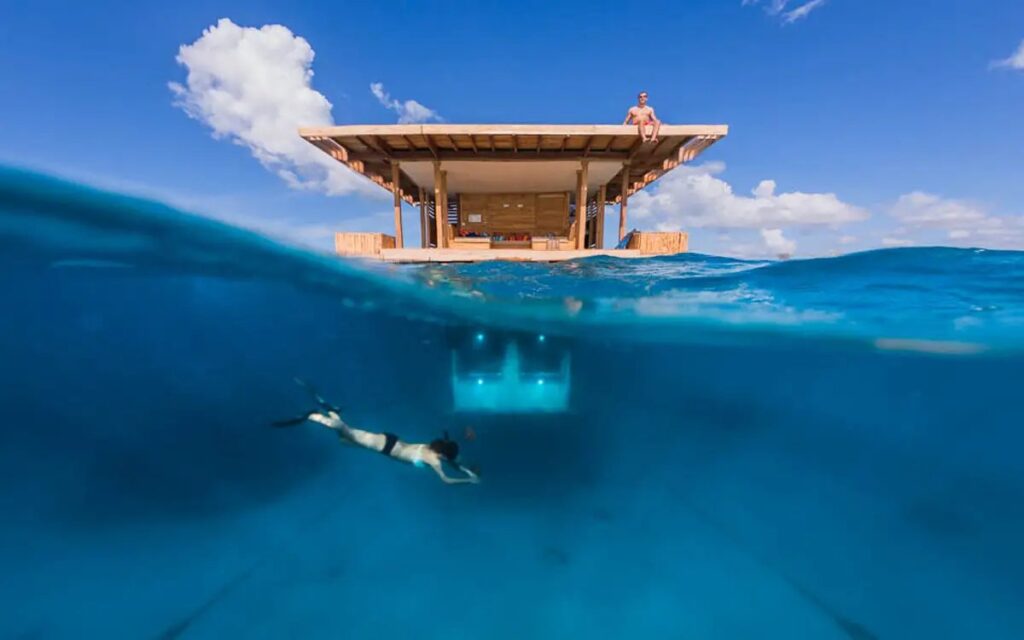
(512,255)
(372,150)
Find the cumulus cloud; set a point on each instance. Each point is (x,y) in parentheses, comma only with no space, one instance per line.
(890,241)
(692,197)
(926,218)
(777,243)
(409,111)
(1015,61)
(927,210)
(254,87)
(787,11)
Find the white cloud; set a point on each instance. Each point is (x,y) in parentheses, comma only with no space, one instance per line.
(316,235)
(927,210)
(254,87)
(802,11)
(890,241)
(1015,61)
(409,111)
(694,197)
(310,234)
(787,15)
(926,218)
(777,243)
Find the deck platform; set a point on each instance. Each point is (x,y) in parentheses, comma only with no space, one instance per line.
(511,255)
(535,193)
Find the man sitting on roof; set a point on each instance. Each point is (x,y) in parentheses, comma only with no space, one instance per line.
(643,116)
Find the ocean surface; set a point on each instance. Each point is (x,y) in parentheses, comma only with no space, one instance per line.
(824,448)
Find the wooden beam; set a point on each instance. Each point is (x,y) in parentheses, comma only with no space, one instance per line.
(431,146)
(507,129)
(581,205)
(423,218)
(444,206)
(484,154)
(661,143)
(622,202)
(472,143)
(586,149)
(438,198)
(341,153)
(372,144)
(396,189)
(635,149)
(602,195)
(385,147)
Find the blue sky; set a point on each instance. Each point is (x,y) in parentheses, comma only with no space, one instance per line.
(880,123)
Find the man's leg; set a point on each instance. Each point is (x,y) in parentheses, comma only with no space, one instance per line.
(642,129)
(657,128)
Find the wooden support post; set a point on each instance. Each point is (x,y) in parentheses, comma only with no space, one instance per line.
(602,193)
(423,218)
(581,205)
(438,193)
(622,203)
(444,207)
(576,197)
(396,189)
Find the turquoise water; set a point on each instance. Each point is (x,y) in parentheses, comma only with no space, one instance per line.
(811,449)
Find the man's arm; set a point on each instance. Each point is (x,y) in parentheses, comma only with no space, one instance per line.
(654,118)
(629,117)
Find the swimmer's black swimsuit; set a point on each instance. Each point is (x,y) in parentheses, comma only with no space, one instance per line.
(389,443)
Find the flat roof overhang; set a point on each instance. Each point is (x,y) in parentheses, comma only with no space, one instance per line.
(512,158)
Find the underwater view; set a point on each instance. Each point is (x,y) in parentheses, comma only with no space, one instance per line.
(677,447)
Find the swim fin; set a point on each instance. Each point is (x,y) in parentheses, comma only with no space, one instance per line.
(316,396)
(291,422)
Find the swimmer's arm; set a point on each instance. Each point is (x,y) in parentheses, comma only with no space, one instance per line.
(629,117)
(654,118)
(436,466)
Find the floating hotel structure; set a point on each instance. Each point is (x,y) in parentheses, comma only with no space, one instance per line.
(510,192)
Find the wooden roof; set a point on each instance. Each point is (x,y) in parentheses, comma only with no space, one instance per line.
(370,149)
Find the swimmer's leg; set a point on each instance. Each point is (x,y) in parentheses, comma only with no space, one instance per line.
(366,439)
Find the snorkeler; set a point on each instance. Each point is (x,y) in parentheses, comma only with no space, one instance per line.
(433,455)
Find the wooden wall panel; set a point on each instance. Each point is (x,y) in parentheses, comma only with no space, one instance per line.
(660,243)
(537,214)
(362,244)
(552,214)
